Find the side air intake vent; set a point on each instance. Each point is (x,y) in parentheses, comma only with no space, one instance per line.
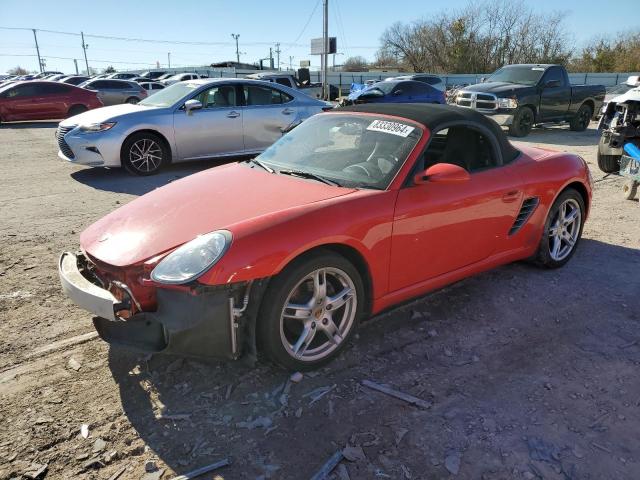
(528,207)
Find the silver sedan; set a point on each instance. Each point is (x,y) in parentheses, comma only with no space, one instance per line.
(186,121)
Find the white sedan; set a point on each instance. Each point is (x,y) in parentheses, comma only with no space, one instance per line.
(187,121)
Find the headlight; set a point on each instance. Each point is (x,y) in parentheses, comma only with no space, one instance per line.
(97,127)
(192,259)
(507,103)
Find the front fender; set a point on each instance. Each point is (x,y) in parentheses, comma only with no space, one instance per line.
(263,247)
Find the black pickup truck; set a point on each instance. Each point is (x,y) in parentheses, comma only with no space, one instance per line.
(521,96)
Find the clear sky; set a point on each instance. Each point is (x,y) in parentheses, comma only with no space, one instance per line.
(260,23)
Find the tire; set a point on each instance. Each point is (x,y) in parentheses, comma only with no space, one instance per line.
(144,154)
(522,122)
(310,336)
(132,100)
(76,110)
(569,233)
(630,189)
(607,163)
(581,119)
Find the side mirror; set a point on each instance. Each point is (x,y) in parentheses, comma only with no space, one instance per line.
(552,84)
(192,104)
(442,173)
(483,79)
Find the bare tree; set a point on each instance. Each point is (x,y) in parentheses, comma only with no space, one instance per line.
(478,38)
(18,71)
(355,64)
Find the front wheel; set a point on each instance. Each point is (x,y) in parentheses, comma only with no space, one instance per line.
(76,110)
(606,162)
(310,311)
(562,230)
(144,154)
(132,100)
(522,122)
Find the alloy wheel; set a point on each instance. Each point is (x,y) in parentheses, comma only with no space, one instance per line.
(145,155)
(318,314)
(565,229)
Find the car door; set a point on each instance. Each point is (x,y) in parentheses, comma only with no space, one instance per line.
(266,114)
(105,91)
(215,129)
(53,100)
(441,227)
(18,103)
(555,97)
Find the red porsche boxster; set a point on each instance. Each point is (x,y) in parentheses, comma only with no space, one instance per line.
(353,211)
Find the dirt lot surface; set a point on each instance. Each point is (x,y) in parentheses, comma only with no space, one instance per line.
(529,373)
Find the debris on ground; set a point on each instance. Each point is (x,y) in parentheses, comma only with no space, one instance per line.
(354,453)
(452,462)
(318,393)
(74,364)
(260,422)
(202,470)
(296,377)
(328,466)
(84,430)
(36,471)
(397,394)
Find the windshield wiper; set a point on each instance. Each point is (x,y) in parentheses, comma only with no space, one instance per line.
(260,164)
(303,174)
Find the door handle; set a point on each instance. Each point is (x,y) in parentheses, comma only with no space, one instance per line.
(233,114)
(287,111)
(511,196)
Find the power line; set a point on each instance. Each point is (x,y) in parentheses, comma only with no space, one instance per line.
(304,28)
(71,58)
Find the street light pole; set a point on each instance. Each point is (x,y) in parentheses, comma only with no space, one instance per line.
(84,49)
(235,37)
(278,55)
(169,59)
(325,55)
(35,37)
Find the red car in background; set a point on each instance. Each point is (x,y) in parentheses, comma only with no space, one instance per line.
(35,100)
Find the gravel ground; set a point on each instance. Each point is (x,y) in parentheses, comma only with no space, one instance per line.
(529,373)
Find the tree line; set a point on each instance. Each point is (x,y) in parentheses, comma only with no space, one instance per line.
(484,36)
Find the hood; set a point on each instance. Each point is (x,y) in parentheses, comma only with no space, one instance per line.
(501,88)
(215,199)
(632,95)
(104,114)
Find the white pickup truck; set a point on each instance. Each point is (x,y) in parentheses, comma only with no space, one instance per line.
(314,90)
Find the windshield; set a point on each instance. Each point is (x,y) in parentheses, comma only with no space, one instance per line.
(384,86)
(170,95)
(619,89)
(350,150)
(521,75)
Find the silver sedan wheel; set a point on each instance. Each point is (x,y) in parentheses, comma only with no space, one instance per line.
(145,155)
(318,314)
(565,229)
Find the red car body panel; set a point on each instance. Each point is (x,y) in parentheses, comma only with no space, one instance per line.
(412,239)
(45,106)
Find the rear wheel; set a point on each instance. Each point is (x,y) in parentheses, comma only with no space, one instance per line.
(310,311)
(581,119)
(132,100)
(562,230)
(144,153)
(76,110)
(522,122)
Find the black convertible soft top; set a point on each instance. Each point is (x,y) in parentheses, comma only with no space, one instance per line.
(434,116)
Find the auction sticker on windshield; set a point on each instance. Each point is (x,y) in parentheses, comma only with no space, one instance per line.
(393,128)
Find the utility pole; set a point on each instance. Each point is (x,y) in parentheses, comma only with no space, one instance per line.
(270,58)
(278,55)
(75,62)
(35,37)
(325,41)
(291,57)
(235,37)
(169,59)
(84,49)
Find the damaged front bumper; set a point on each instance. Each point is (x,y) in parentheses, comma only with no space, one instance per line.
(201,321)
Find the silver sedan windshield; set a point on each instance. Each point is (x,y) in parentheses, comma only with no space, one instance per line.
(350,150)
(170,95)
